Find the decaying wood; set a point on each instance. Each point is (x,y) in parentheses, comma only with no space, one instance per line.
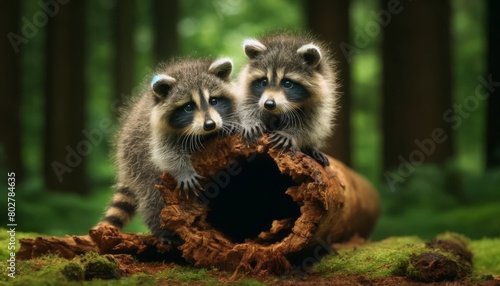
(333,204)
(66,247)
(104,239)
(262,211)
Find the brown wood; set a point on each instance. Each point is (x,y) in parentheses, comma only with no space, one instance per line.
(314,208)
(10,81)
(166,39)
(125,19)
(65,101)
(66,247)
(493,114)
(333,205)
(330,21)
(416,83)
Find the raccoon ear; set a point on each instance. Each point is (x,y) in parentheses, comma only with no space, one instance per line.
(310,53)
(253,48)
(222,68)
(161,84)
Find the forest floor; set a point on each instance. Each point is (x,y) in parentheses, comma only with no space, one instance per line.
(387,262)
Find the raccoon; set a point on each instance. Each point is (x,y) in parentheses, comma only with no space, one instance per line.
(187,103)
(288,88)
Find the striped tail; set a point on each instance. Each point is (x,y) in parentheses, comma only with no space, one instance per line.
(122,208)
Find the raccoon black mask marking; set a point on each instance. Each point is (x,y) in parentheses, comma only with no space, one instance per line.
(187,103)
(288,89)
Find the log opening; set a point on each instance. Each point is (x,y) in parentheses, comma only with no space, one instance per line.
(251,199)
(263,209)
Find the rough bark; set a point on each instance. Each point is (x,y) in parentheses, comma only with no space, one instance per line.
(330,20)
(66,147)
(124,47)
(264,210)
(493,116)
(417,83)
(166,39)
(10,81)
(66,247)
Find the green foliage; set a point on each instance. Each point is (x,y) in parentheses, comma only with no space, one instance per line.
(218,27)
(456,197)
(434,199)
(469,55)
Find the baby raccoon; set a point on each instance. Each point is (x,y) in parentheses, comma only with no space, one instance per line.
(288,89)
(187,103)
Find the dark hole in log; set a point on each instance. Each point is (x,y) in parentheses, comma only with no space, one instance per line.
(252,200)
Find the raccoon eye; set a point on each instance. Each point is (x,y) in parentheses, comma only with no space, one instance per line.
(264,82)
(213,101)
(287,84)
(188,107)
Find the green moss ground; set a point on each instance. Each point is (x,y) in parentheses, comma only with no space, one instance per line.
(377,259)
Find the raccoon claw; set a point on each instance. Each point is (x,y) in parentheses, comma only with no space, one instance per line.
(282,140)
(191,183)
(252,134)
(317,155)
(231,130)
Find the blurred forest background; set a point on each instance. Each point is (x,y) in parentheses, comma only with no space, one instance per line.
(418,116)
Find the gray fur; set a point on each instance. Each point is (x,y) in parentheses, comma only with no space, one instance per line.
(302,125)
(147,144)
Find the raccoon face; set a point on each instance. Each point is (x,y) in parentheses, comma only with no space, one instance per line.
(281,77)
(196,101)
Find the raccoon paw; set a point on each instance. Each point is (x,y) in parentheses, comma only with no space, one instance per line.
(252,134)
(317,155)
(231,129)
(190,183)
(168,236)
(282,140)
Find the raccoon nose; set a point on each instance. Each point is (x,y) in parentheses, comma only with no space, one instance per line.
(270,104)
(209,125)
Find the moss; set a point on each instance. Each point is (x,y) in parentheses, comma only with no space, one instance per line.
(455,238)
(249,282)
(39,271)
(383,258)
(445,257)
(388,257)
(143,280)
(486,256)
(436,266)
(73,271)
(184,274)
(100,266)
(5,238)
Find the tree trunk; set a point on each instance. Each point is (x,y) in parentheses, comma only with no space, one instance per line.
(124,47)
(417,84)
(330,20)
(166,17)
(10,81)
(493,117)
(66,147)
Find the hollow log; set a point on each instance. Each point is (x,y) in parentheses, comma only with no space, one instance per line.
(265,210)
